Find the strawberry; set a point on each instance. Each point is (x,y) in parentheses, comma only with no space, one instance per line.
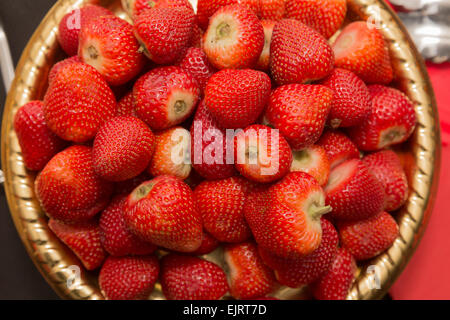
(338,147)
(298,53)
(313,161)
(298,272)
(363,50)
(83,239)
(249,277)
(285,218)
(367,238)
(37,142)
(272,9)
(221,206)
(164,33)
(264,59)
(234,38)
(392,120)
(353,192)
(205,133)
(191,278)
(68,188)
(386,167)
(299,111)
(172,156)
(115,236)
(135,7)
(165,97)
(196,63)
(55,69)
(209,244)
(122,148)
(162,211)
(236,98)
(336,283)
(262,154)
(128,278)
(206,8)
(78,101)
(351,98)
(71,24)
(108,44)
(126,105)
(325,16)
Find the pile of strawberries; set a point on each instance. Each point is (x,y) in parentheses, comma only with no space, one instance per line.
(142,187)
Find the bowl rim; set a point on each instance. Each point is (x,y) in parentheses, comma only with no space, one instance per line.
(414,220)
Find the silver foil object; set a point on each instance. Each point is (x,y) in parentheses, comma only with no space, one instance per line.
(428,22)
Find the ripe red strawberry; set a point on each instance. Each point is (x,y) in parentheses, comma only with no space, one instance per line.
(78,101)
(249,277)
(386,167)
(322,15)
(392,120)
(262,154)
(338,147)
(351,98)
(285,218)
(209,244)
(115,236)
(367,238)
(236,98)
(299,111)
(71,24)
(196,63)
(83,239)
(206,8)
(162,211)
(234,38)
(336,283)
(128,278)
(164,32)
(313,161)
(221,206)
(165,97)
(264,59)
(363,50)
(37,142)
(298,272)
(191,278)
(272,9)
(136,7)
(205,133)
(68,188)
(298,53)
(108,44)
(55,69)
(126,105)
(122,148)
(353,192)
(172,156)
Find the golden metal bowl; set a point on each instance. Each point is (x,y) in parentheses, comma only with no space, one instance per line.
(374,278)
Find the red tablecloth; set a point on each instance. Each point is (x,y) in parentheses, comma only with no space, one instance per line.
(427,275)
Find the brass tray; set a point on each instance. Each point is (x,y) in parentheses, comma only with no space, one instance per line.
(56,262)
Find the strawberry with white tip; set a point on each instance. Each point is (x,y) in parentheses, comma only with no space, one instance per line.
(249,277)
(313,161)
